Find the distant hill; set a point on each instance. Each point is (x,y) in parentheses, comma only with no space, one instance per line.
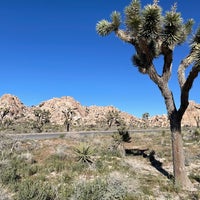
(86,115)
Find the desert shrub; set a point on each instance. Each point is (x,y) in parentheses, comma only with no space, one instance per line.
(31,170)
(4,194)
(9,175)
(99,189)
(196,134)
(89,190)
(55,163)
(34,190)
(66,177)
(26,157)
(194,196)
(63,191)
(6,143)
(195,177)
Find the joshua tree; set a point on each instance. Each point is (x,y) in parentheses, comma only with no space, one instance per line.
(153,35)
(3,112)
(145,118)
(113,118)
(42,118)
(197,119)
(69,114)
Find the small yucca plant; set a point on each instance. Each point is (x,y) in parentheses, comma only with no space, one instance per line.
(84,153)
(120,137)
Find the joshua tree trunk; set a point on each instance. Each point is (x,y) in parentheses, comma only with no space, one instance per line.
(67,126)
(180,175)
(175,117)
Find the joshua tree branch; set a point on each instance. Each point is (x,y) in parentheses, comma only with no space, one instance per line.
(187,85)
(124,36)
(151,71)
(168,57)
(181,70)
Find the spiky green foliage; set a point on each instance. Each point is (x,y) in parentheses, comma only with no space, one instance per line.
(133,18)
(115,16)
(149,29)
(196,55)
(196,38)
(172,28)
(175,31)
(188,26)
(104,27)
(195,41)
(151,22)
(84,153)
(195,47)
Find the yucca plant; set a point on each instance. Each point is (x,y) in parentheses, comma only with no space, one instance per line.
(84,153)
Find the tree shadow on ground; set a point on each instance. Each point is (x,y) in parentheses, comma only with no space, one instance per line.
(151,157)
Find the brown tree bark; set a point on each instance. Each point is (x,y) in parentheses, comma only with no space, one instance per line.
(180,175)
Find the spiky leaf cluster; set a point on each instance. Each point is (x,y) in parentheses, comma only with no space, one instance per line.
(105,27)
(175,31)
(133,17)
(196,39)
(115,17)
(151,22)
(188,27)
(195,48)
(84,153)
(172,28)
(196,55)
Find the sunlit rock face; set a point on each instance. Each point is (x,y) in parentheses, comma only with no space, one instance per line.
(88,115)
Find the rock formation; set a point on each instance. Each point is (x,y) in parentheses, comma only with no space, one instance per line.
(12,108)
(192,115)
(16,109)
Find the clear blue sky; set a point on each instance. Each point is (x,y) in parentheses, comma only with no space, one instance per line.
(50,48)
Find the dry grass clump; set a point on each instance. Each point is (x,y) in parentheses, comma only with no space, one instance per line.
(4,193)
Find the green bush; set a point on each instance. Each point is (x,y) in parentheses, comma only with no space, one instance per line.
(99,189)
(196,134)
(55,163)
(9,175)
(31,170)
(34,190)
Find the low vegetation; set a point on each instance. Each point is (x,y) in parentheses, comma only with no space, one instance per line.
(86,167)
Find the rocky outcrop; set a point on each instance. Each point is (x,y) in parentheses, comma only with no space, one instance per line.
(192,115)
(58,106)
(87,115)
(11,107)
